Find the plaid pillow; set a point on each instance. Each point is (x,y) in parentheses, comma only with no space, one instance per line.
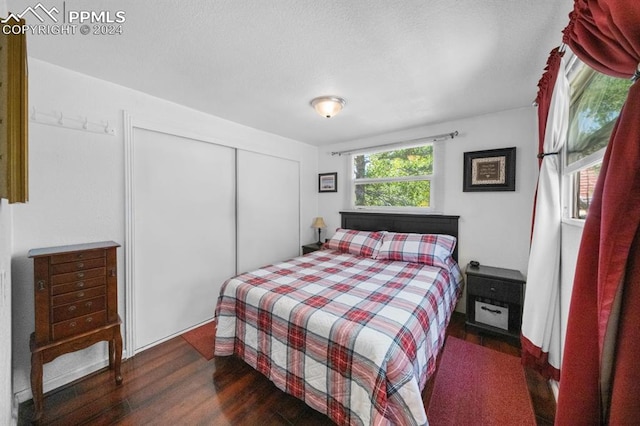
(359,243)
(430,249)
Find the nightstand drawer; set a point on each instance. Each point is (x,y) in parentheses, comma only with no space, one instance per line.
(493,315)
(493,289)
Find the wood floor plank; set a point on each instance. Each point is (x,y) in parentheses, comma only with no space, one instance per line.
(166,379)
(96,394)
(108,416)
(172,384)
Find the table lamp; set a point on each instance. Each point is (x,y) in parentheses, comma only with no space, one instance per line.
(318,223)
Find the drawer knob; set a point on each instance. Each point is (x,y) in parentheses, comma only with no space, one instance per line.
(80,265)
(81,294)
(80,274)
(493,289)
(80,255)
(41,285)
(88,304)
(89,319)
(80,284)
(72,324)
(72,308)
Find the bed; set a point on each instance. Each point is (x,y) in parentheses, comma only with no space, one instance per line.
(353,329)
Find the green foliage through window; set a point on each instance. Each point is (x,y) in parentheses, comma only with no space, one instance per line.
(398,178)
(596,102)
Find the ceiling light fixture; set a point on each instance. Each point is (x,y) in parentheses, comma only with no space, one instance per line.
(328,106)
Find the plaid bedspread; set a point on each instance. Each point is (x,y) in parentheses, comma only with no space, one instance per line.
(355,338)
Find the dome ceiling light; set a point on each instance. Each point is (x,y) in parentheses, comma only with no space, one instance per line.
(328,106)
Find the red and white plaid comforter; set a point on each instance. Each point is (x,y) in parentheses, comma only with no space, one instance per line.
(355,338)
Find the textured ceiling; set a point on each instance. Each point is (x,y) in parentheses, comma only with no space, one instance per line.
(397,63)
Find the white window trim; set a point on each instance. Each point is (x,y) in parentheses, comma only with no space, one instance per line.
(568,184)
(584,163)
(433,178)
(394,179)
(568,170)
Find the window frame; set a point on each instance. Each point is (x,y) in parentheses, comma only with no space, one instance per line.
(569,172)
(432,178)
(569,176)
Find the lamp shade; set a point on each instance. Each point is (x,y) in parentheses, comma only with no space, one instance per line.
(328,106)
(318,222)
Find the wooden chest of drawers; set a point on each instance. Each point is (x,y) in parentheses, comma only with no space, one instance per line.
(76,305)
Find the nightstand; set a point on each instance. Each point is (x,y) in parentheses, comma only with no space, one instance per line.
(495,297)
(310,248)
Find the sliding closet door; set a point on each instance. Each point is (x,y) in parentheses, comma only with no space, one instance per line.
(268,209)
(184,236)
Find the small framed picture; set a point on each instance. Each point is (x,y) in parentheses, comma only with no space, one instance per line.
(328,182)
(490,170)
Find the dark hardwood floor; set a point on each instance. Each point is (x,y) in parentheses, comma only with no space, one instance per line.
(172,384)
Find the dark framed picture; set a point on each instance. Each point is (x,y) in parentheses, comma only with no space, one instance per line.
(328,182)
(490,170)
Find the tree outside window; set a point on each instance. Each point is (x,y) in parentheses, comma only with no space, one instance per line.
(397,178)
(596,101)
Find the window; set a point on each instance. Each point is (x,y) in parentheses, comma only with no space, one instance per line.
(400,178)
(596,101)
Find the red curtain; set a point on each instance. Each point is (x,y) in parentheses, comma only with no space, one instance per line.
(594,387)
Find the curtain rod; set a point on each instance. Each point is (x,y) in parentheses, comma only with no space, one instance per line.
(434,138)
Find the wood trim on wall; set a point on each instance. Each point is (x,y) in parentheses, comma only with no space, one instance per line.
(129,233)
(14,116)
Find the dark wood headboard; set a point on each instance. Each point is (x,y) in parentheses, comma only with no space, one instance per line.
(402,222)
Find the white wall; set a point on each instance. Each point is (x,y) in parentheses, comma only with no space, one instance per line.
(78,190)
(494,226)
(6,235)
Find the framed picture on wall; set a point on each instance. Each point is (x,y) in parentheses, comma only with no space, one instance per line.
(490,170)
(328,182)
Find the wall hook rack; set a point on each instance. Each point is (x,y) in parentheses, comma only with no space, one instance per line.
(59,119)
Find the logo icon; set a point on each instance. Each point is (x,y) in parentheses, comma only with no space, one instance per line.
(36,11)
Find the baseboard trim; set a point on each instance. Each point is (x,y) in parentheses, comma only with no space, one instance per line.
(174,335)
(64,379)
